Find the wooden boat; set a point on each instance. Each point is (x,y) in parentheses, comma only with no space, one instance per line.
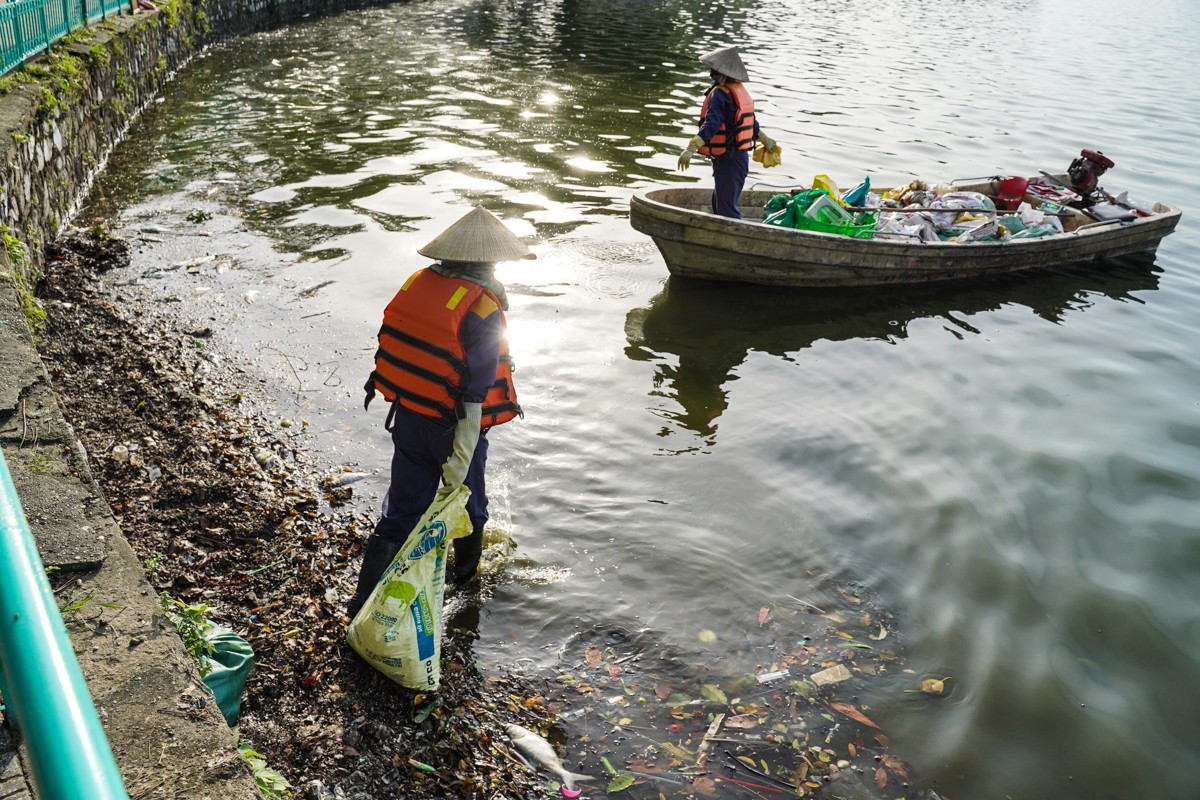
(696,243)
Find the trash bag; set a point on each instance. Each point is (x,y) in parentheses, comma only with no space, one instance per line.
(829,186)
(229,666)
(858,195)
(780,211)
(398,631)
(793,207)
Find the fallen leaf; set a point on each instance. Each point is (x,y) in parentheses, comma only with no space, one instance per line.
(880,778)
(706,636)
(704,785)
(748,761)
(763,613)
(934,686)
(882,740)
(678,699)
(883,632)
(895,764)
(593,655)
(853,598)
(853,713)
(681,753)
(852,749)
(620,783)
(743,721)
(713,692)
(625,721)
(662,691)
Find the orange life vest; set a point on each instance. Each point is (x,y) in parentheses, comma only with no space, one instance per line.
(421,364)
(742,137)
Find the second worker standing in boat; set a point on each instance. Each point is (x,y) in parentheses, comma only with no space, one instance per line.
(728,131)
(443,364)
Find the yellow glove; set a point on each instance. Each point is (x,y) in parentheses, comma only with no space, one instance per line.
(685,157)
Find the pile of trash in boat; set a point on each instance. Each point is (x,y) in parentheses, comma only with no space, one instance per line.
(1013,208)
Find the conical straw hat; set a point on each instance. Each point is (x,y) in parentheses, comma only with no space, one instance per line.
(478,236)
(726,61)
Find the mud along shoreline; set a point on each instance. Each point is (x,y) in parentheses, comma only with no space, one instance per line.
(226,508)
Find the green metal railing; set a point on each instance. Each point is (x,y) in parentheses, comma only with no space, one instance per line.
(28,27)
(44,691)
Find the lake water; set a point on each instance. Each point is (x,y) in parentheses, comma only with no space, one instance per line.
(1012,469)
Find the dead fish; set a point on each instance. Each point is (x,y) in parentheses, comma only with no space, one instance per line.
(543,753)
(345,478)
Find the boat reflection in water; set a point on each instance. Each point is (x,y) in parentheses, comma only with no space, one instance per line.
(699,332)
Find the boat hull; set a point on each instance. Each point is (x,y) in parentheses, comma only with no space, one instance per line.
(697,244)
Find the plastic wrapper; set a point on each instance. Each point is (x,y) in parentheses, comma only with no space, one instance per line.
(960,201)
(229,666)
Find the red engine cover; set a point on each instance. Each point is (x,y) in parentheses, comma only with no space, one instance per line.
(1096,157)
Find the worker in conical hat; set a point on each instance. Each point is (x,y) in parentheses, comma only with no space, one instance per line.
(444,367)
(729,130)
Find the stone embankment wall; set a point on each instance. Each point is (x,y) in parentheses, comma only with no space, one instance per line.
(62,114)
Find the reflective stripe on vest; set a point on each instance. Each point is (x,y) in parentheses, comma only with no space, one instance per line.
(421,364)
(742,137)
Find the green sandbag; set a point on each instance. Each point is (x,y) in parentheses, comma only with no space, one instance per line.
(229,666)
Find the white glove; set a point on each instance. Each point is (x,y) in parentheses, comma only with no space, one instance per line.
(685,157)
(466,436)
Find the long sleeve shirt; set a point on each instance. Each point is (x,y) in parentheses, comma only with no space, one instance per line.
(480,335)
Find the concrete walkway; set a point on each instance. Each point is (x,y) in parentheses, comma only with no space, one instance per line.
(164,727)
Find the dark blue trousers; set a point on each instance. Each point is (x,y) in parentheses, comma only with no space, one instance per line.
(420,447)
(729,176)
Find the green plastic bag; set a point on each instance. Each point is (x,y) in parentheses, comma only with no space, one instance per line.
(779,211)
(229,666)
(783,211)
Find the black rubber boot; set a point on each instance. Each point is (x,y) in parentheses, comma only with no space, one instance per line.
(377,557)
(467,552)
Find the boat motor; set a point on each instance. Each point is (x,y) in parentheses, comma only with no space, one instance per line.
(1086,170)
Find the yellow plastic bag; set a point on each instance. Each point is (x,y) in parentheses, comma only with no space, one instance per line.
(398,631)
(827,183)
(768,158)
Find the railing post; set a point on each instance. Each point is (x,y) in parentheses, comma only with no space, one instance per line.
(45,693)
(45,25)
